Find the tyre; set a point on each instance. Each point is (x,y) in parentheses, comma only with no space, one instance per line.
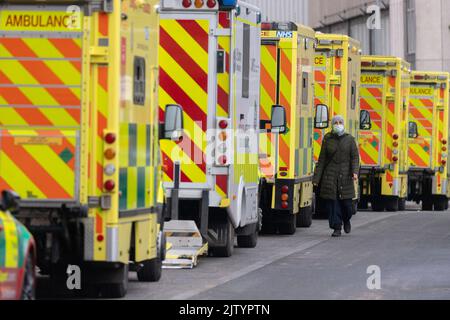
(363,204)
(304,219)
(391,204)
(268,226)
(377,205)
(440,203)
(248,241)
(402,204)
(29,280)
(289,226)
(117,289)
(226,233)
(151,270)
(427,204)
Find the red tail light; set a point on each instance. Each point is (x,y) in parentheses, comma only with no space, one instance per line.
(444,142)
(284,189)
(395,159)
(187,3)
(109,185)
(395,136)
(266,26)
(211,3)
(285,205)
(419,77)
(444,162)
(223,124)
(100,238)
(223,160)
(110,138)
(366,64)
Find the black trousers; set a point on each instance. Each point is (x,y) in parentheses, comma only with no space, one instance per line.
(339,212)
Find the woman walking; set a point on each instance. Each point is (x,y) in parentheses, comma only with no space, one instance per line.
(334,176)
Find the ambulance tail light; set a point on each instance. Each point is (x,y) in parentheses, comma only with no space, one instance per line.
(266,26)
(419,77)
(223,142)
(187,3)
(395,159)
(366,64)
(109,185)
(444,162)
(211,4)
(444,142)
(395,136)
(199,4)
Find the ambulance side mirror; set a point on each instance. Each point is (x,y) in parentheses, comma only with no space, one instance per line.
(173,123)
(321,118)
(365,123)
(278,119)
(413,130)
(10,201)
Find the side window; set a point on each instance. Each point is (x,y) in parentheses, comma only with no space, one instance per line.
(305,88)
(139,81)
(353,95)
(246,63)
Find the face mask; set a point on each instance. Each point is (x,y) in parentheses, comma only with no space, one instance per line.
(338,129)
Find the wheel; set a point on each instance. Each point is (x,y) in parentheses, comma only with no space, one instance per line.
(151,270)
(225,233)
(29,280)
(268,225)
(289,226)
(377,205)
(402,204)
(440,203)
(248,241)
(363,204)
(117,289)
(427,204)
(304,219)
(391,204)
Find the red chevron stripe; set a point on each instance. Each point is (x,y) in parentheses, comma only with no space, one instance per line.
(376,93)
(69,49)
(416,158)
(222,183)
(196,32)
(319,76)
(33,170)
(14,96)
(182,98)
(366,158)
(224,19)
(184,60)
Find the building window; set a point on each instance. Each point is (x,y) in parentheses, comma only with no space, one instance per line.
(139,81)
(410,32)
(246,63)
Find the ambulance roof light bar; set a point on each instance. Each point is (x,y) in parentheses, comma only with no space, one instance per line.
(196,5)
(279,26)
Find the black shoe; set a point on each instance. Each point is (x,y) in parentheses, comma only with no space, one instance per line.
(336,233)
(347,227)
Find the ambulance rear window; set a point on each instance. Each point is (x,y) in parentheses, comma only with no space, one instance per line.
(139,81)
(246,63)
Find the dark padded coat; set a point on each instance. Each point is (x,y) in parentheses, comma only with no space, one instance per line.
(337,178)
